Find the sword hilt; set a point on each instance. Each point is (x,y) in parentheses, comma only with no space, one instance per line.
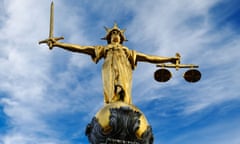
(51,41)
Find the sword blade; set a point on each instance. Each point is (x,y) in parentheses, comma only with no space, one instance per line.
(51,37)
(51,28)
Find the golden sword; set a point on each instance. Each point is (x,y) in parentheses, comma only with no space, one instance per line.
(51,38)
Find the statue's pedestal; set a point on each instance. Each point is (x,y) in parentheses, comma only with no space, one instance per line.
(119,123)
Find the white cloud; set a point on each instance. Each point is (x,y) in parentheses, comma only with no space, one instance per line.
(28,138)
(33,90)
(220,133)
(40,83)
(24,75)
(162,28)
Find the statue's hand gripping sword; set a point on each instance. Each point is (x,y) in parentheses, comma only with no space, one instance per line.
(51,39)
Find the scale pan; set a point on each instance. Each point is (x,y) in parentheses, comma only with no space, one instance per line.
(162,75)
(192,75)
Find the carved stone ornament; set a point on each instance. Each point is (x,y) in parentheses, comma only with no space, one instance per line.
(123,122)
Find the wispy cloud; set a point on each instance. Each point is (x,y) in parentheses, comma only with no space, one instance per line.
(187,27)
(45,90)
(209,135)
(24,73)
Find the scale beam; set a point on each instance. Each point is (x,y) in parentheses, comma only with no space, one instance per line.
(177,66)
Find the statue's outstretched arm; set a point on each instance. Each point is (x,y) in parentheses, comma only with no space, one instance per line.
(75,48)
(155,59)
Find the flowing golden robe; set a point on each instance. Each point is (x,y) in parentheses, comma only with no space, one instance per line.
(116,71)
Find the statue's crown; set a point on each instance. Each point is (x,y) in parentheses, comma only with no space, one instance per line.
(115,27)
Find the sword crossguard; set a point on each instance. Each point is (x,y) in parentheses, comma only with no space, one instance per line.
(50,41)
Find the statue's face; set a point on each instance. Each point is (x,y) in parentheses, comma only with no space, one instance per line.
(115,36)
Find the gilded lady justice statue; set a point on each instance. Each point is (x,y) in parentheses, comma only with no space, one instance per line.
(119,62)
(119,120)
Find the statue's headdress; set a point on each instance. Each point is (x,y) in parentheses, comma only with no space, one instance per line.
(115,28)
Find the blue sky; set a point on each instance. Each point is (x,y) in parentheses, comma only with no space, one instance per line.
(48,97)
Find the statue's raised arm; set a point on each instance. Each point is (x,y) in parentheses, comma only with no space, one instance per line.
(74,47)
(141,57)
(52,41)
